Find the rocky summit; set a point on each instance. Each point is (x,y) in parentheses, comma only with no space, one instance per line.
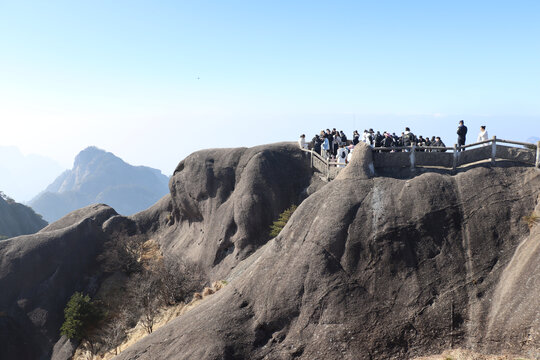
(367,267)
(98,176)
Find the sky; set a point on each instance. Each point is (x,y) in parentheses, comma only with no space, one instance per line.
(153,81)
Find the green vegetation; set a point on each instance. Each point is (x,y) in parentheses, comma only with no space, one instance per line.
(280,223)
(3,237)
(531,220)
(82,315)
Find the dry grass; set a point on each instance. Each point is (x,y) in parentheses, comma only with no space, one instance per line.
(460,354)
(165,315)
(151,254)
(207,291)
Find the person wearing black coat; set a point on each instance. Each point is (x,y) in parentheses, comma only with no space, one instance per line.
(388,141)
(462,133)
(317,144)
(343,137)
(378,139)
(356,137)
(330,137)
(438,143)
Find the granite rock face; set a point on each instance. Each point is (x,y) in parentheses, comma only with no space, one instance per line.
(367,268)
(38,274)
(223,202)
(238,193)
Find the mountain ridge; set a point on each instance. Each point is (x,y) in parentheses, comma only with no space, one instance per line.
(17,219)
(368,266)
(98,176)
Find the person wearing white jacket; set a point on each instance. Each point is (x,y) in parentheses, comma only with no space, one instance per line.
(302,142)
(342,156)
(366,137)
(483,135)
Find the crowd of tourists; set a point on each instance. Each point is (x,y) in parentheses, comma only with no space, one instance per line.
(334,145)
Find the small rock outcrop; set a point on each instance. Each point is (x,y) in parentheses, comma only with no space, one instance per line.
(17,219)
(101,177)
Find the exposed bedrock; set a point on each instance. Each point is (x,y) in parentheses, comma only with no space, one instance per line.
(223,202)
(367,268)
(38,274)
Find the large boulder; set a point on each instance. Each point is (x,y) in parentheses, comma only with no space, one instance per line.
(223,202)
(38,274)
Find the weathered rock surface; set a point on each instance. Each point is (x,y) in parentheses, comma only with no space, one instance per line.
(38,274)
(18,219)
(101,177)
(223,201)
(367,268)
(242,190)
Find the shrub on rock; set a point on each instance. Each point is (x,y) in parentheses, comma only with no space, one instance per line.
(81,316)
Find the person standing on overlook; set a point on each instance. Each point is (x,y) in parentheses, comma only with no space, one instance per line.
(356,137)
(326,147)
(302,142)
(317,144)
(483,135)
(462,133)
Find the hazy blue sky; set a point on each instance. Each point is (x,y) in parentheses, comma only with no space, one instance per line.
(153,81)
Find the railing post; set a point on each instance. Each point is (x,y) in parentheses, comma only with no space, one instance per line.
(412,157)
(328,169)
(454,166)
(493,150)
(538,154)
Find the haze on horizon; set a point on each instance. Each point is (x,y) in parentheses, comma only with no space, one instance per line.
(153,82)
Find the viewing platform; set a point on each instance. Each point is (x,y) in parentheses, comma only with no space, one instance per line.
(448,158)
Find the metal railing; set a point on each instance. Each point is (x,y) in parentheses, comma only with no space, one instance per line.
(445,157)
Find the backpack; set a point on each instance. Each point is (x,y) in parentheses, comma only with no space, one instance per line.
(409,139)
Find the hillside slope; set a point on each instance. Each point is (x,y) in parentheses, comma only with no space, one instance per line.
(376,268)
(17,219)
(61,258)
(368,267)
(101,177)
(38,274)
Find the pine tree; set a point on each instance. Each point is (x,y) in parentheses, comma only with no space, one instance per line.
(280,223)
(81,315)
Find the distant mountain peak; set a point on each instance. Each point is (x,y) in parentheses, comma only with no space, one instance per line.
(99,176)
(89,154)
